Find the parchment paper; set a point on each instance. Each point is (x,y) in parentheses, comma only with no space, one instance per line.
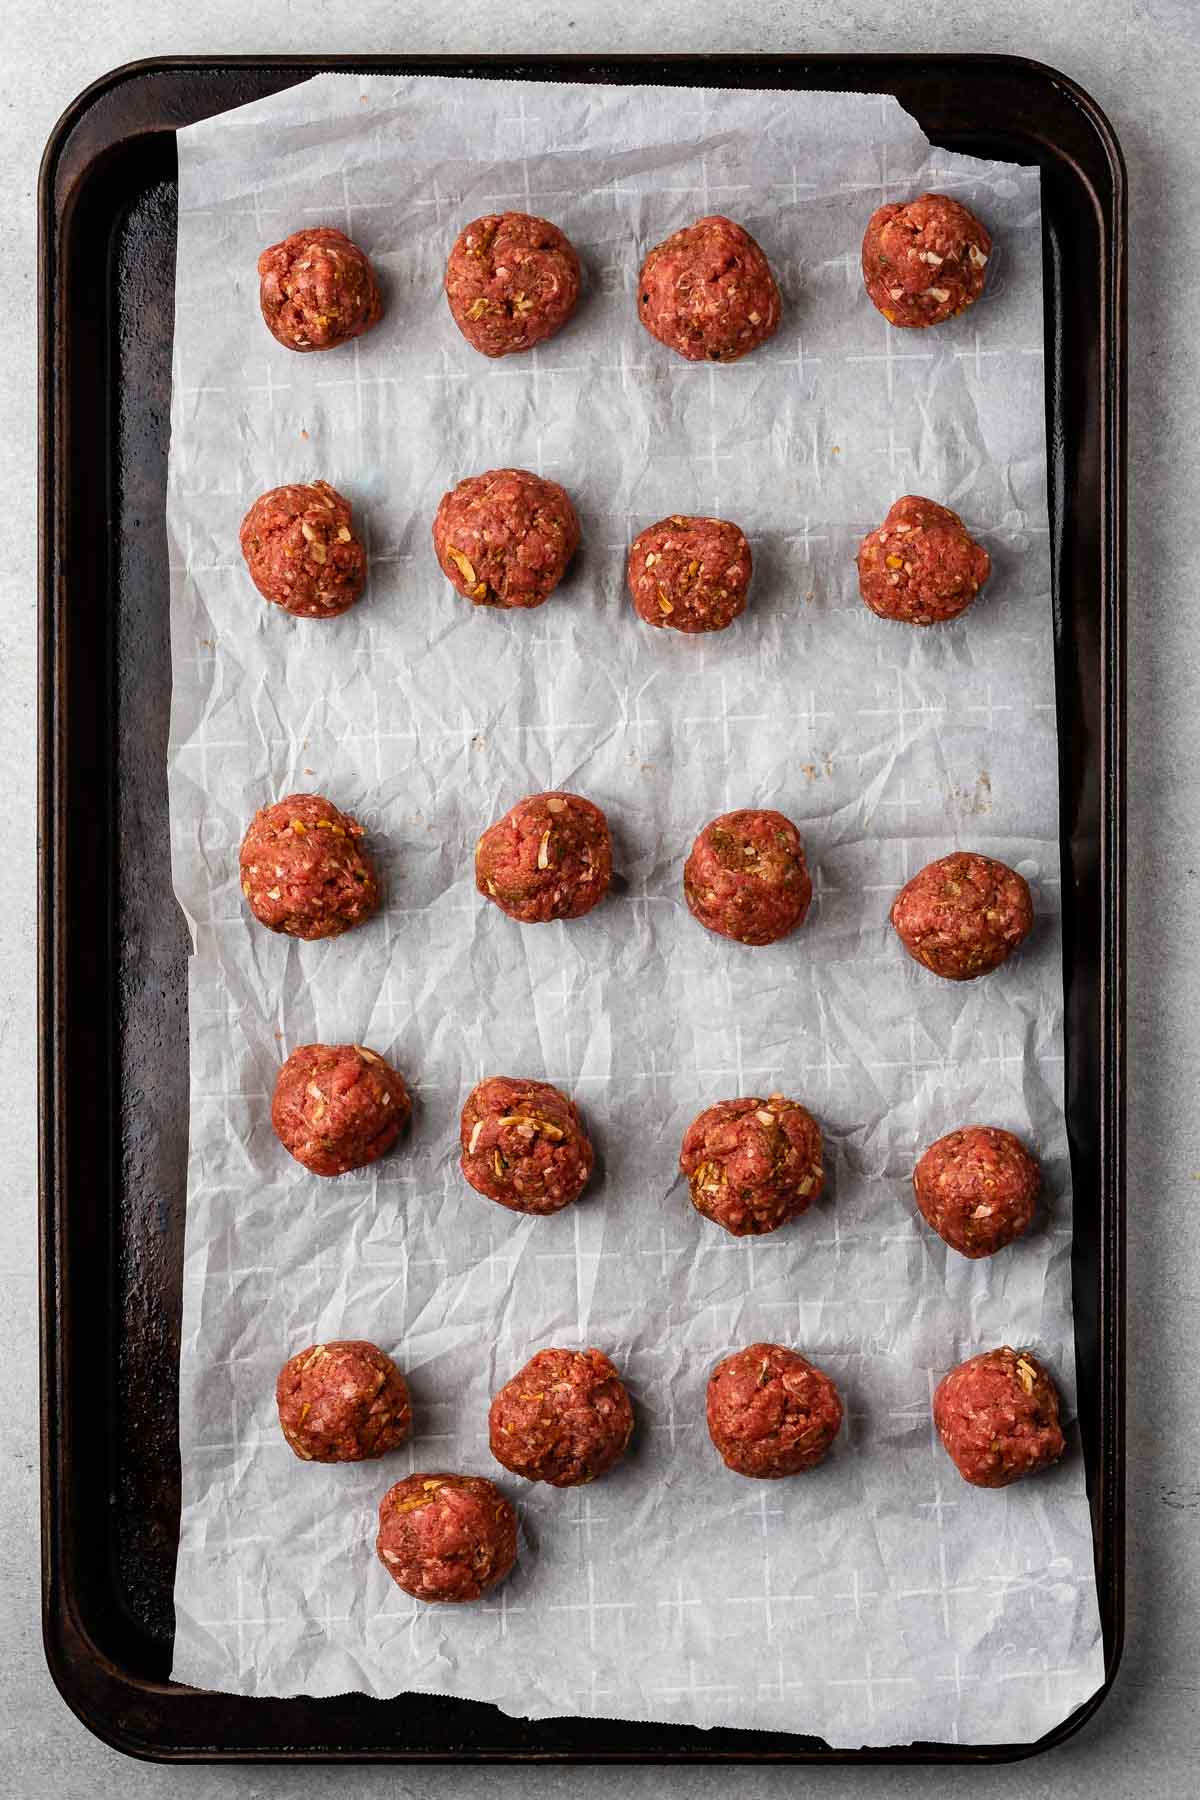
(878,1599)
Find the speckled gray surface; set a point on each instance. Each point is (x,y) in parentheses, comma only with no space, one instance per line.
(1141,60)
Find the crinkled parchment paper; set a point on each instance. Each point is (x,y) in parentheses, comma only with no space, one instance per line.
(878,1599)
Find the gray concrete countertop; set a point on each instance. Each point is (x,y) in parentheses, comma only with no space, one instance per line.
(1141,61)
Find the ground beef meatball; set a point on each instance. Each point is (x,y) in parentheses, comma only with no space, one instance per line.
(505,538)
(922,566)
(997,1415)
(771,1413)
(338,1107)
(550,857)
(963,915)
(708,292)
(446,1537)
(301,551)
(746,877)
(523,1145)
(318,290)
(342,1402)
(691,574)
(564,1419)
(752,1165)
(512,281)
(303,872)
(978,1188)
(924,261)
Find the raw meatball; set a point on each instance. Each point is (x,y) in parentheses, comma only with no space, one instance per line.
(978,1188)
(565,1418)
(771,1413)
(691,574)
(318,290)
(338,1107)
(303,872)
(752,1165)
(963,915)
(301,551)
(505,538)
(550,857)
(924,261)
(708,292)
(523,1145)
(512,281)
(342,1402)
(922,566)
(997,1415)
(746,877)
(446,1537)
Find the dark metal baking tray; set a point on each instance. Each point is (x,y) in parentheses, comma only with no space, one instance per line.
(113,947)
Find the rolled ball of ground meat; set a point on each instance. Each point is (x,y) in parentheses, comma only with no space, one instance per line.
(318,290)
(523,1145)
(771,1413)
(446,1537)
(922,566)
(342,1402)
(689,573)
(997,1415)
(752,1165)
(505,538)
(338,1107)
(708,293)
(549,857)
(565,1418)
(963,915)
(746,877)
(925,260)
(303,871)
(301,551)
(512,280)
(978,1188)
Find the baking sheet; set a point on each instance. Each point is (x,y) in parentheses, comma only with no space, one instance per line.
(878,1599)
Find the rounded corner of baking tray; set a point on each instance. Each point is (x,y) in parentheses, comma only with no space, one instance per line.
(74,1670)
(1046,75)
(1082,1717)
(86,101)
(1079,1720)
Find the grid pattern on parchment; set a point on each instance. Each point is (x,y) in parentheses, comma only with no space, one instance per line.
(877,1599)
